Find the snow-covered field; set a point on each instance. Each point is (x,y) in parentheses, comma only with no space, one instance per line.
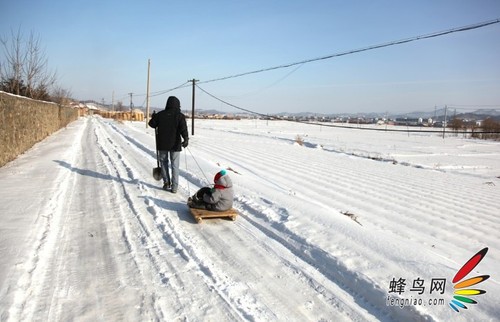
(324,231)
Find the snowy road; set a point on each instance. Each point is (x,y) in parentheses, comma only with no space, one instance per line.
(87,234)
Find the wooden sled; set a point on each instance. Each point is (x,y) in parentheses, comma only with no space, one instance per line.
(199,214)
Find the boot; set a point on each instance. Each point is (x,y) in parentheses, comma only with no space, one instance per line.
(194,202)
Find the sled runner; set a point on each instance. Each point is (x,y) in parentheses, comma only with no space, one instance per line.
(199,214)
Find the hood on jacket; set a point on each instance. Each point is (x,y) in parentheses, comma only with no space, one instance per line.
(222,179)
(173,103)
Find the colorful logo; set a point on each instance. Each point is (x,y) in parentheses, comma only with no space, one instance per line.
(463,293)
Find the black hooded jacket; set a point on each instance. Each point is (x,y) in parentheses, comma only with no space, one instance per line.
(171,125)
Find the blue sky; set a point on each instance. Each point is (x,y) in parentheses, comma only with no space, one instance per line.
(98,47)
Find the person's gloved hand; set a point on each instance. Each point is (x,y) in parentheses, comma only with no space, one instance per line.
(185,143)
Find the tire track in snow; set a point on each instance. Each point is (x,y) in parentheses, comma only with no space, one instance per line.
(367,294)
(220,282)
(172,237)
(136,232)
(216,278)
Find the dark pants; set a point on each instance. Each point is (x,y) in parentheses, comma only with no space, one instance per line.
(201,192)
(174,165)
(198,199)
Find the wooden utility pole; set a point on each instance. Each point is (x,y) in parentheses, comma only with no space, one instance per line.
(147,95)
(192,112)
(444,123)
(131,104)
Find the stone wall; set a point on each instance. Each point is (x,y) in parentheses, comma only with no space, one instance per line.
(24,122)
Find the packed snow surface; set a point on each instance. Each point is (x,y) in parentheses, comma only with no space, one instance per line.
(326,229)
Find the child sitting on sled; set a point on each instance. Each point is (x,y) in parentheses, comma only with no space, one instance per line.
(216,198)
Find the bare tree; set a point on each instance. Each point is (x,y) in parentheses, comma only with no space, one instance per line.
(24,70)
(457,124)
(11,67)
(490,125)
(61,96)
(119,106)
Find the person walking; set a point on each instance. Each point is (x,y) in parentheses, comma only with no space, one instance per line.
(172,134)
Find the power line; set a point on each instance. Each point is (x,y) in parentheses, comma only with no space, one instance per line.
(162,92)
(354,51)
(232,105)
(282,78)
(349,52)
(158,93)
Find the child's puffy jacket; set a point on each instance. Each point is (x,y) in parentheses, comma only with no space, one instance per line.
(221,198)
